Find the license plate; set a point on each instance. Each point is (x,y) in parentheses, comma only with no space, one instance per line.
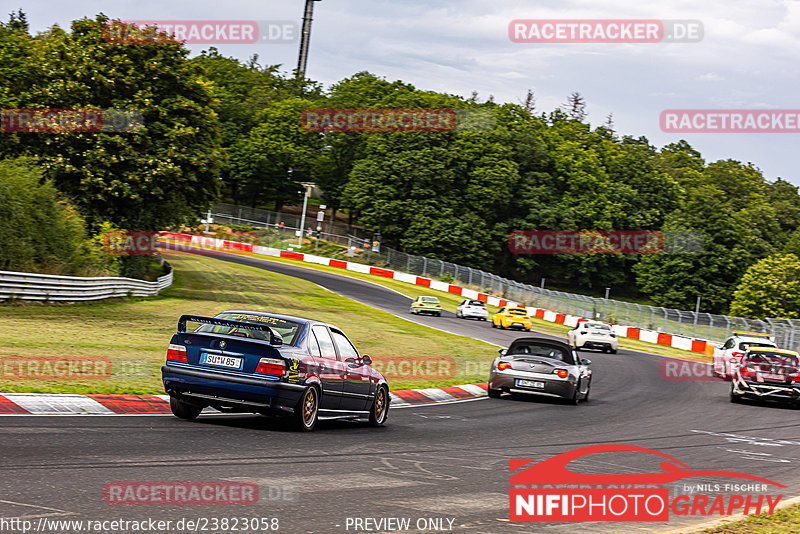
(221,361)
(530,384)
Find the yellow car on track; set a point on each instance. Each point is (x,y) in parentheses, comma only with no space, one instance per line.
(426,305)
(512,317)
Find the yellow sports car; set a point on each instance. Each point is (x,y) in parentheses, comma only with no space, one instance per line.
(427,305)
(512,317)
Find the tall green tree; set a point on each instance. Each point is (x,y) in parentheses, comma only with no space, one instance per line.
(157,176)
(769,288)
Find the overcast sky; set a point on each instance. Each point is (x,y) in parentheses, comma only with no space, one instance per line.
(747,59)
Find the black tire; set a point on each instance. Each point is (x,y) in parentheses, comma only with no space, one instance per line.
(735,399)
(380,407)
(494,393)
(184,410)
(438,314)
(494,325)
(613,351)
(307,411)
(576,399)
(588,390)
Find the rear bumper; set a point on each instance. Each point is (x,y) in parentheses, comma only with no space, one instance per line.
(425,309)
(761,390)
(216,389)
(525,325)
(598,344)
(552,386)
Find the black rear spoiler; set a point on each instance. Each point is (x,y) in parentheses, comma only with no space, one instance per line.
(274,338)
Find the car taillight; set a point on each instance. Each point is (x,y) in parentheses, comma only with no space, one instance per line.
(503,365)
(747,372)
(562,373)
(271,366)
(484,309)
(438,305)
(177,352)
(737,354)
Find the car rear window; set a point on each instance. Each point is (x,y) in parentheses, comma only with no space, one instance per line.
(476,303)
(429,299)
(518,311)
(286,329)
(544,351)
(774,363)
(744,345)
(597,326)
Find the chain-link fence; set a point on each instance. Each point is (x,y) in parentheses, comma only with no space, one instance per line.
(708,326)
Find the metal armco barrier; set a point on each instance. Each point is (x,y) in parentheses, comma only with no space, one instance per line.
(48,287)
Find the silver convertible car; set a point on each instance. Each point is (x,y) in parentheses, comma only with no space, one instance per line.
(540,366)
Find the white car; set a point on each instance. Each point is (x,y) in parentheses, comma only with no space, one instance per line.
(728,355)
(593,335)
(472,308)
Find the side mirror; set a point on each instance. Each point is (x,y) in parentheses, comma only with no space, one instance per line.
(586,361)
(366,359)
(502,352)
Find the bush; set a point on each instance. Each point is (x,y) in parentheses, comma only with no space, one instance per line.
(41,232)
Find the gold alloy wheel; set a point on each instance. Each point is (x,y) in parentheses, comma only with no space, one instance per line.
(310,406)
(380,404)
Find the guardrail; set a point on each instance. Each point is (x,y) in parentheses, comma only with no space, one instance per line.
(48,287)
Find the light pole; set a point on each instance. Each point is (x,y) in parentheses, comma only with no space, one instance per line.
(307,186)
(305,37)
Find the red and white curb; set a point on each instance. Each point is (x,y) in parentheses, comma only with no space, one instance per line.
(74,404)
(650,336)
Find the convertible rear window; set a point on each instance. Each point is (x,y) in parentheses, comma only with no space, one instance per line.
(544,351)
(286,329)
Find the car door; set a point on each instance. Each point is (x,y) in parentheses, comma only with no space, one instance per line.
(720,365)
(357,389)
(332,371)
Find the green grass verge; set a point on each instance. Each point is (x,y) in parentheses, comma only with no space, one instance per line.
(133,334)
(783,521)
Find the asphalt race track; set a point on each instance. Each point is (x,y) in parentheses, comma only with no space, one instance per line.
(443,461)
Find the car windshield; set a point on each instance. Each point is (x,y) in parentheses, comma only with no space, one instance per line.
(542,350)
(773,363)
(286,329)
(433,300)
